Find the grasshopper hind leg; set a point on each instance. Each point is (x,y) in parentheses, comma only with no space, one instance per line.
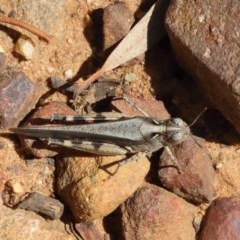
(90,147)
(107,116)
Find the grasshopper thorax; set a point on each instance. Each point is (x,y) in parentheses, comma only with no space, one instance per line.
(176,131)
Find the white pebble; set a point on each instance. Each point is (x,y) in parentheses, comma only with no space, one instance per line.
(50,69)
(201,18)
(68,73)
(219,165)
(39,181)
(25,47)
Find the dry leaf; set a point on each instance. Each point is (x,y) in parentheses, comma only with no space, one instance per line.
(147,32)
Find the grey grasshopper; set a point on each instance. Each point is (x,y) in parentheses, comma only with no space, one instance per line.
(112,134)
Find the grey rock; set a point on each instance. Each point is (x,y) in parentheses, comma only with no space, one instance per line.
(205,38)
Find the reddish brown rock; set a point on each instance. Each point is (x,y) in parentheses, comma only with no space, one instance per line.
(18,95)
(195,182)
(43,116)
(153,108)
(222,220)
(117,21)
(154,213)
(205,39)
(93,231)
(86,186)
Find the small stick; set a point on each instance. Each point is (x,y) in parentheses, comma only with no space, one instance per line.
(26,26)
(49,207)
(88,81)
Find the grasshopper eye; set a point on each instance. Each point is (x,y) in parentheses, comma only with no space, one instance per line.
(177,136)
(178,121)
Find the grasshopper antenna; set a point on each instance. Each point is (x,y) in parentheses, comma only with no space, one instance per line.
(194,121)
(198,116)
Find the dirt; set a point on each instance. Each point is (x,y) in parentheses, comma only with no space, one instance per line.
(71,47)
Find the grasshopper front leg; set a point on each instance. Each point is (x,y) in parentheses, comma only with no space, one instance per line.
(173,158)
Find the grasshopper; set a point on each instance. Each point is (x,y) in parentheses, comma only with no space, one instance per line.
(112,134)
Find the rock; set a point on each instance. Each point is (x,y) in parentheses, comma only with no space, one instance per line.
(86,186)
(23,225)
(97,233)
(16,187)
(117,21)
(200,36)
(153,108)
(18,95)
(195,183)
(154,213)
(222,220)
(13,192)
(43,116)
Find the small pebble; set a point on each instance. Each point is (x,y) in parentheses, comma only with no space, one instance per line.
(16,187)
(69,41)
(1,49)
(51,161)
(238,150)
(129,77)
(25,47)
(201,18)
(219,165)
(68,73)
(50,69)
(29,161)
(39,181)
(197,223)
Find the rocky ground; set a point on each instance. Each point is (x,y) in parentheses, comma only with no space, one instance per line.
(143,200)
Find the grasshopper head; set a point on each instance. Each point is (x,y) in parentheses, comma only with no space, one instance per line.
(177,131)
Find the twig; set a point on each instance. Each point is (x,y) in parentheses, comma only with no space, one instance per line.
(88,81)
(47,206)
(26,26)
